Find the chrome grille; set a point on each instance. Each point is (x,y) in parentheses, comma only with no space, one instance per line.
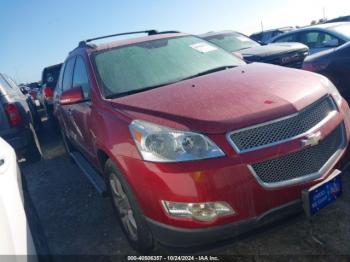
(279,130)
(301,164)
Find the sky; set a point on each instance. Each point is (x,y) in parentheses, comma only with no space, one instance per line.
(40,33)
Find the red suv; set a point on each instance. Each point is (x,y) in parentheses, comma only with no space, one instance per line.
(193,144)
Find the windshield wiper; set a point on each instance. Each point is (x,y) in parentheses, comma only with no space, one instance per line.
(213,70)
(131,92)
(216,69)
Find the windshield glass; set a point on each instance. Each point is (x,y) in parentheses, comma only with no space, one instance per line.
(232,41)
(344,30)
(144,65)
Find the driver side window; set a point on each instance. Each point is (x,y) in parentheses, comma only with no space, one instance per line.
(80,77)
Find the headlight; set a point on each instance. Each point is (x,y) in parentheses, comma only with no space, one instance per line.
(332,90)
(161,144)
(206,211)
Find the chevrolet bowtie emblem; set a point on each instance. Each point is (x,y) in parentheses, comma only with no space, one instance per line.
(312,139)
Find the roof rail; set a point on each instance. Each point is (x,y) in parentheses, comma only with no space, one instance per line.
(84,43)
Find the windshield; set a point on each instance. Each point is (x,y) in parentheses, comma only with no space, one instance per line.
(343,29)
(137,67)
(232,41)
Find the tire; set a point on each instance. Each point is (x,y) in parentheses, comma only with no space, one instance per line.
(133,221)
(33,152)
(35,117)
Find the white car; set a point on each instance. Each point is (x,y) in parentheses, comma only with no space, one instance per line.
(15,235)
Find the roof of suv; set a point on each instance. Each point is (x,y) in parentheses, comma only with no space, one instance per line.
(135,40)
(129,41)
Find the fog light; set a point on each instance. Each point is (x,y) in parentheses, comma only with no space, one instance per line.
(199,211)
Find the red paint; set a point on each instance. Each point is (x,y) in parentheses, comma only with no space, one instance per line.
(13,114)
(219,103)
(71,96)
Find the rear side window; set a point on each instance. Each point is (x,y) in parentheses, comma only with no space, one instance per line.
(50,77)
(315,39)
(68,74)
(60,79)
(266,37)
(287,38)
(80,77)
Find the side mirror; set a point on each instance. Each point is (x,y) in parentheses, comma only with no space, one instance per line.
(331,43)
(72,96)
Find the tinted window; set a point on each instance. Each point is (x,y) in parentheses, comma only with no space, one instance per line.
(68,74)
(80,77)
(50,75)
(256,37)
(60,79)
(315,39)
(266,37)
(136,67)
(287,38)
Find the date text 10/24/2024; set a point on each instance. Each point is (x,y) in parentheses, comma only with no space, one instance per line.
(172,258)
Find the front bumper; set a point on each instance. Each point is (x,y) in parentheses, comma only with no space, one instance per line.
(184,237)
(222,179)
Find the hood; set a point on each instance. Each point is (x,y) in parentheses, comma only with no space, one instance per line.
(273,49)
(225,100)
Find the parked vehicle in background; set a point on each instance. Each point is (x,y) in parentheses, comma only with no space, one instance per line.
(49,80)
(34,92)
(318,37)
(193,144)
(16,120)
(339,19)
(16,237)
(287,54)
(25,90)
(334,64)
(266,36)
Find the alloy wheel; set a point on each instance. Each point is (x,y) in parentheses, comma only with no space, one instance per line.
(123,206)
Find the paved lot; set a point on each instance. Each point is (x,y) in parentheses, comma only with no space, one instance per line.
(76,220)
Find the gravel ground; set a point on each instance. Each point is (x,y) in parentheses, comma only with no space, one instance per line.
(78,221)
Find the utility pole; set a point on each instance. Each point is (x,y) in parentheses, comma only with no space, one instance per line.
(324,14)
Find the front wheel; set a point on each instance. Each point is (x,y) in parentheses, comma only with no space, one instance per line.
(131,217)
